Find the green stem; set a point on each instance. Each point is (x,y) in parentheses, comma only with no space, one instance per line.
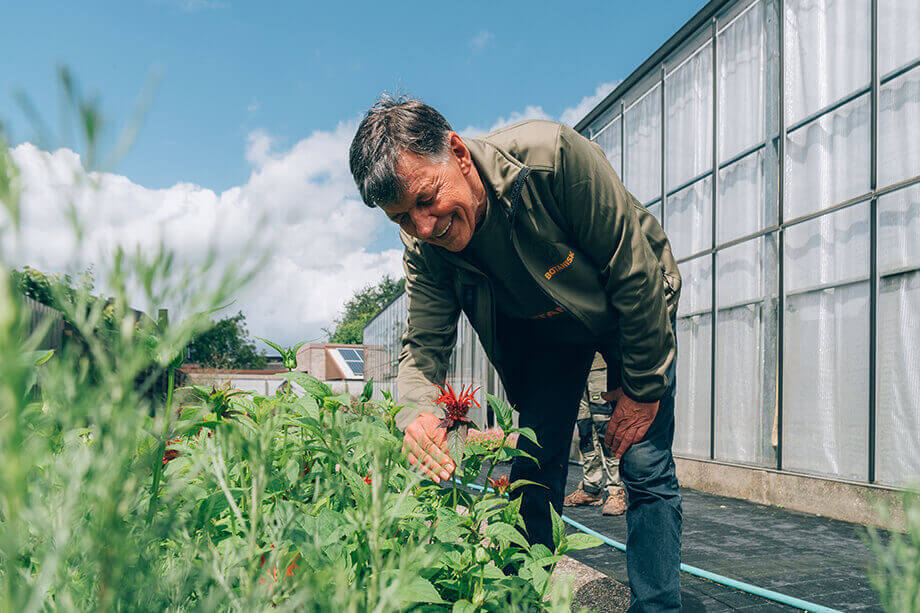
(492,462)
(161,448)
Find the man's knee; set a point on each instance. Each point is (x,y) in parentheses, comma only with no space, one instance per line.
(648,470)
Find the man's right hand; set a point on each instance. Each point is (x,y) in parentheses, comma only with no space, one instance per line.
(425,442)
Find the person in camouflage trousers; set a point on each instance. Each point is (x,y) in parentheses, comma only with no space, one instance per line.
(601,468)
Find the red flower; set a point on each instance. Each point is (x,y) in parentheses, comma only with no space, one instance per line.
(455,409)
(170,454)
(501,484)
(367,479)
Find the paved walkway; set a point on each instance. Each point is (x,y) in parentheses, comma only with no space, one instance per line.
(813,558)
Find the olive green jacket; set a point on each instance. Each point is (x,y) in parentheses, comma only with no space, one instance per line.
(586,241)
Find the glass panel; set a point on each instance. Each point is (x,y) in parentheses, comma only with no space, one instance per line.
(826,53)
(898,38)
(899,129)
(696,288)
(898,229)
(897,418)
(689,219)
(826,345)
(643,147)
(742,65)
(828,160)
(746,351)
(742,199)
(655,210)
(610,141)
(694,359)
(688,103)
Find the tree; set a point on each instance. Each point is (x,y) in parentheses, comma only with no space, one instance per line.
(49,288)
(362,307)
(226,345)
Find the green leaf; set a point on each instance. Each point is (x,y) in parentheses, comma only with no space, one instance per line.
(277,348)
(523,482)
(558,529)
(40,357)
(529,434)
(308,404)
(368,390)
(310,384)
(502,412)
(463,606)
(418,589)
(455,446)
(506,533)
(574,542)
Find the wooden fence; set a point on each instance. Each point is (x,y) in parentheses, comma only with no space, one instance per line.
(37,314)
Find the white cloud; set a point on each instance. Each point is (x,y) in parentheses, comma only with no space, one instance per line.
(574,114)
(529,112)
(316,227)
(569,116)
(315,223)
(482,39)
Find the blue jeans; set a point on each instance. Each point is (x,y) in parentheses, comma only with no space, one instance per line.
(545,381)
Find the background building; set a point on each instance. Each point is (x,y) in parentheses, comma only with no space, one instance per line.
(778,142)
(339,366)
(468,363)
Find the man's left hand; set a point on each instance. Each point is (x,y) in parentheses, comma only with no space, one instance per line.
(629,423)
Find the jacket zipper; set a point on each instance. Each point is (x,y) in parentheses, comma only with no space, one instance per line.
(515,201)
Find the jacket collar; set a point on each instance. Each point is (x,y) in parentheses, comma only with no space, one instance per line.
(497,169)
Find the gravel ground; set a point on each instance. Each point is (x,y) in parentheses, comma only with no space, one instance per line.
(593,591)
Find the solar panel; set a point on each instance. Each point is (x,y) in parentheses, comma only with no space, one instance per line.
(357,368)
(354,359)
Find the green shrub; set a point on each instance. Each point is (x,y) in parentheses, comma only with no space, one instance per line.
(895,574)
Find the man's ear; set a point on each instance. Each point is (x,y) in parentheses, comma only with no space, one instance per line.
(459,150)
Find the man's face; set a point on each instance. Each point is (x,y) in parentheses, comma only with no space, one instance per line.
(442,202)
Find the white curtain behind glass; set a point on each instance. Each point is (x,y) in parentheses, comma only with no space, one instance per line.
(826,345)
(688,219)
(643,147)
(742,198)
(899,128)
(694,359)
(898,38)
(898,408)
(746,352)
(742,65)
(688,108)
(827,161)
(610,141)
(826,53)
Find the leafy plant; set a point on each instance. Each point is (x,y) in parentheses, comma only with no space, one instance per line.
(288,354)
(895,574)
(114,499)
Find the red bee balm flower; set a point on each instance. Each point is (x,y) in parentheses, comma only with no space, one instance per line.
(501,484)
(367,479)
(455,409)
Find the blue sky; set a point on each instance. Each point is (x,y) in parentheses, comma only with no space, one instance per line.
(249,90)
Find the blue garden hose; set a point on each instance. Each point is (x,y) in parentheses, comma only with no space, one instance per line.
(705,574)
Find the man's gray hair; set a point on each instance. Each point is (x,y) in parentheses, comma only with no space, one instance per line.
(391,127)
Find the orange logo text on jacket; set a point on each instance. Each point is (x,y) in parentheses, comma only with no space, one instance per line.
(565,263)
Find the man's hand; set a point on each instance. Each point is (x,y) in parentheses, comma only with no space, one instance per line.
(426,445)
(629,422)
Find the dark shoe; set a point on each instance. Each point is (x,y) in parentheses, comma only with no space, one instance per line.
(616,503)
(581,498)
